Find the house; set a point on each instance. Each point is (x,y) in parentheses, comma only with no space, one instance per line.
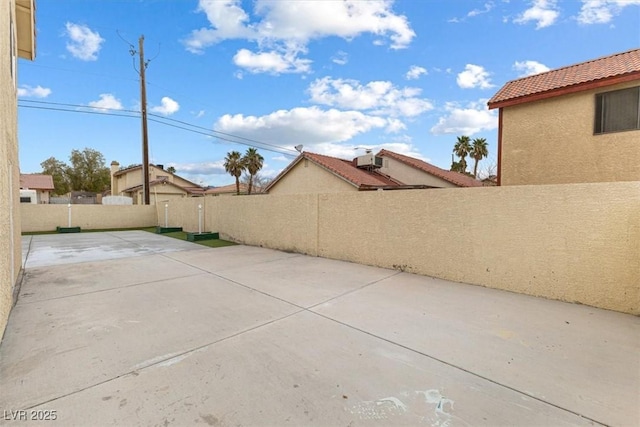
(163,185)
(42,184)
(579,123)
(17,39)
(415,171)
(230,190)
(317,173)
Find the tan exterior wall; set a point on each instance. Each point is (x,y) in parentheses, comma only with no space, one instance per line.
(552,142)
(10,247)
(308,178)
(411,176)
(88,217)
(576,243)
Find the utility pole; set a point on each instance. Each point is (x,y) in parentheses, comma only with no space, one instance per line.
(145,135)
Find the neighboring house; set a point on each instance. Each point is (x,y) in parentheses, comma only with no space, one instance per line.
(230,190)
(576,124)
(415,171)
(163,185)
(316,173)
(42,184)
(17,39)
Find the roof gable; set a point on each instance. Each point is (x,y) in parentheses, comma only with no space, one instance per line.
(608,70)
(138,167)
(343,169)
(449,176)
(155,182)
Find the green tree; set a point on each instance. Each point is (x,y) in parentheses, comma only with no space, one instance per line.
(462,150)
(171,169)
(478,152)
(88,171)
(234,165)
(58,170)
(253,162)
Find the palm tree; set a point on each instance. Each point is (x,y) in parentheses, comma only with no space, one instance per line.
(253,162)
(478,152)
(462,150)
(234,165)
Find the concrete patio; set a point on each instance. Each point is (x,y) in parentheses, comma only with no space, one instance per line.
(132,328)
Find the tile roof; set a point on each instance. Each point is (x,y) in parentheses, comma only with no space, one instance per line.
(449,176)
(609,69)
(345,169)
(36,181)
(349,171)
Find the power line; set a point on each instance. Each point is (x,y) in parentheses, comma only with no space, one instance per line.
(77,106)
(263,144)
(76,111)
(163,121)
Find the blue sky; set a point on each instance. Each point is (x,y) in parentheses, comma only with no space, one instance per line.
(334,76)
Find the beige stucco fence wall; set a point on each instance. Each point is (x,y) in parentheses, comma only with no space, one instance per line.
(88,217)
(577,243)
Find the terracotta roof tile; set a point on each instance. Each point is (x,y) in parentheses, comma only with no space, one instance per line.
(601,69)
(36,181)
(347,170)
(449,176)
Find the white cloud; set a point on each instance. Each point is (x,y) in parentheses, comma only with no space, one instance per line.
(602,11)
(467,120)
(83,43)
(199,114)
(475,12)
(202,168)
(415,72)
(312,125)
(168,106)
(378,97)
(340,58)
(287,27)
(281,158)
(27,91)
(271,62)
(529,68)
(106,102)
(474,76)
(543,12)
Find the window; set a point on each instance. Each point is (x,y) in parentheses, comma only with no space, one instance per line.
(618,110)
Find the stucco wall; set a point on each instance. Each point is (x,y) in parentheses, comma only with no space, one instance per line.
(411,176)
(88,217)
(577,243)
(308,178)
(10,248)
(552,142)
